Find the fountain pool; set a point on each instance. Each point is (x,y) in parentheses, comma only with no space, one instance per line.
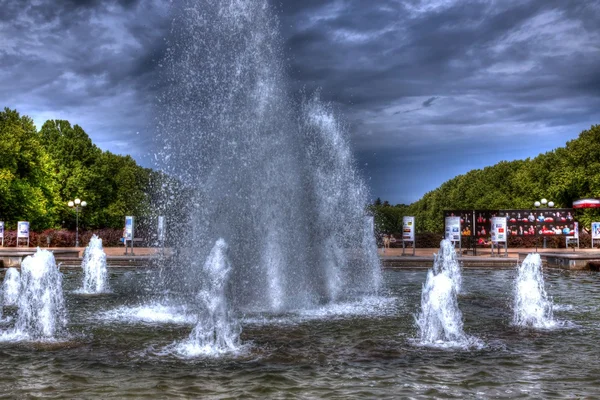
(116,344)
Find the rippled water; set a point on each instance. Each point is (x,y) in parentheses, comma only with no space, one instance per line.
(119,347)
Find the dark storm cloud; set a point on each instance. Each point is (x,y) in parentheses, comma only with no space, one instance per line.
(448,73)
(91,62)
(423,85)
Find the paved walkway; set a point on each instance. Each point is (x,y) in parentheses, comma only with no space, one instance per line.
(481,252)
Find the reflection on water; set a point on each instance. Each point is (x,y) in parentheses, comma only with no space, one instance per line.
(356,349)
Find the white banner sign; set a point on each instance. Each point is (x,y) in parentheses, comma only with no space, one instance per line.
(1,228)
(23,229)
(453,229)
(595,230)
(128,228)
(498,231)
(408,229)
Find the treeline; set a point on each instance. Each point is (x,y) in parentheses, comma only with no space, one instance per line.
(562,175)
(40,171)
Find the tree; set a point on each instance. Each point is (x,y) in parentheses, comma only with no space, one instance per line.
(27,190)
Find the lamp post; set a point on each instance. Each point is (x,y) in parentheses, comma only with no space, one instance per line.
(546,204)
(77,204)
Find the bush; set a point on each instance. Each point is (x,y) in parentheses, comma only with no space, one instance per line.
(64,238)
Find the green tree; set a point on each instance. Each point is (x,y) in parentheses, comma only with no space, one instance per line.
(27,190)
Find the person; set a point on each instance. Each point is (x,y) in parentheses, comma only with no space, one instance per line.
(386,242)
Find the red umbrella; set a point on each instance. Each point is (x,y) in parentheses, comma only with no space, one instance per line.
(586,203)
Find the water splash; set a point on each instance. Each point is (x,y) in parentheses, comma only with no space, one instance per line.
(95,274)
(532,307)
(440,320)
(11,287)
(272,175)
(42,313)
(217,331)
(447,260)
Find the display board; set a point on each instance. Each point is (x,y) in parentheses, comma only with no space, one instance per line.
(520,222)
(2,232)
(452,231)
(23,231)
(408,229)
(498,229)
(555,222)
(129,228)
(596,230)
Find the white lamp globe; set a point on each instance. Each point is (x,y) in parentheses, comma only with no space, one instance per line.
(77,201)
(550,204)
(544,201)
(70,204)
(537,204)
(84,203)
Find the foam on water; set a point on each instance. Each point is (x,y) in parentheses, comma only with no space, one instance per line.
(153,313)
(532,307)
(11,287)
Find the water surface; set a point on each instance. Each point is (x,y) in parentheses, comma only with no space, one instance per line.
(119,347)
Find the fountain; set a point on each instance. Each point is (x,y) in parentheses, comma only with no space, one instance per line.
(216,331)
(95,275)
(271,236)
(11,287)
(532,308)
(271,175)
(440,320)
(41,311)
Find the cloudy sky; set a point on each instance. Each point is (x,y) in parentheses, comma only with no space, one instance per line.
(428,89)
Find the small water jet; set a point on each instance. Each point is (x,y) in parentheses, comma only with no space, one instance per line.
(42,313)
(11,287)
(532,308)
(217,331)
(95,279)
(440,320)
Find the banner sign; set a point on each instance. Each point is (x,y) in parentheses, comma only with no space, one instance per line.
(498,231)
(23,229)
(595,230)
(452,229)
(128,228)
(161,228)
(576,234)
(1,228)
(408,229)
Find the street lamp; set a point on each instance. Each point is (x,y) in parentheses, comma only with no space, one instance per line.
(545,203)
(77,203)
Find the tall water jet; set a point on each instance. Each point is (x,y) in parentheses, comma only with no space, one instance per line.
(273,176)
(42,313)
(95,274)
(532,308)
(11,287)
(217,331)
(440,320)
